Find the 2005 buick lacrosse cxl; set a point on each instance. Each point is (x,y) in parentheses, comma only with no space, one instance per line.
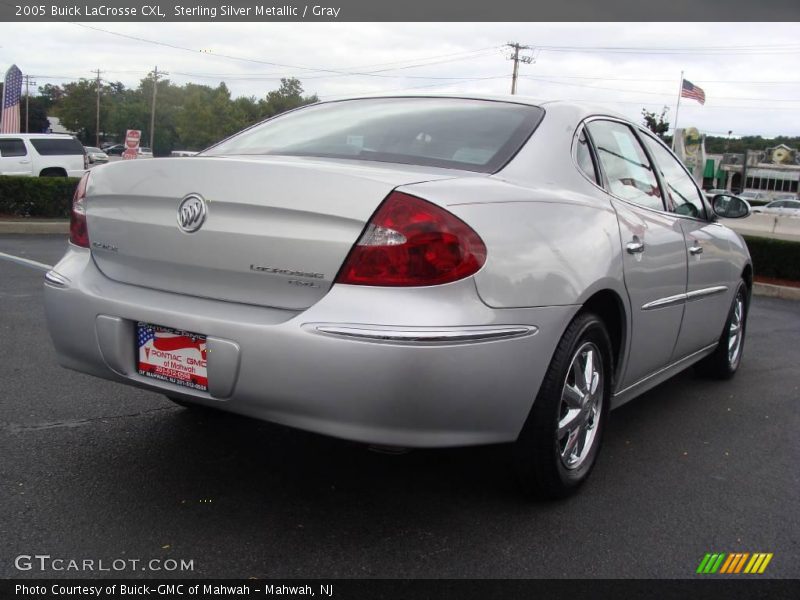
(409,271)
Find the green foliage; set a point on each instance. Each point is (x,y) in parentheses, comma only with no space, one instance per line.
(36,196)
(656,123)
(721,144)
(775,258)
(37,115)
(37,112)
(188,117)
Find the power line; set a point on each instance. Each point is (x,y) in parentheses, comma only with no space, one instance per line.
(701,50)
(232,57)
(416,87)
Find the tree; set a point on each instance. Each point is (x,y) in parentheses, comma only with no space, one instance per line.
(37,115)
(286,97)
(76,109)
(190,116)
(658,124)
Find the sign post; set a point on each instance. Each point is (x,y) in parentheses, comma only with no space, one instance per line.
(132,137)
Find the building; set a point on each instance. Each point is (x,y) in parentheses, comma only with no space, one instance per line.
(773,171)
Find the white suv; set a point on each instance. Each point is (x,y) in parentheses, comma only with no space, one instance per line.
(41,155)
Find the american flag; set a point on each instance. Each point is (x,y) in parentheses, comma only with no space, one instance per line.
(12,89)
(689,90)
(145,334)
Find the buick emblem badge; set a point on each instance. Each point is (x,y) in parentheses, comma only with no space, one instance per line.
(192,213)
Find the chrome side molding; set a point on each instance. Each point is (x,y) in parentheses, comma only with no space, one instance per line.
(688,297)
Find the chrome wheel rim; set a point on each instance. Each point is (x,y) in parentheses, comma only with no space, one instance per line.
(736,331)
(581,406)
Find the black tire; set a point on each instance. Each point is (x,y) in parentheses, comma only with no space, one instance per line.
(720,364)
(53,173)
(538,459)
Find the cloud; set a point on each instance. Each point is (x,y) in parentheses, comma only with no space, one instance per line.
(623,81)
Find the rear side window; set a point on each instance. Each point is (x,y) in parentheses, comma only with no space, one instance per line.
(683,195)
(628,170)
(58,146)
(475,135)
(584,158)
(12,147)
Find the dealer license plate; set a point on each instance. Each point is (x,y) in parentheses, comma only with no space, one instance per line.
(171,355)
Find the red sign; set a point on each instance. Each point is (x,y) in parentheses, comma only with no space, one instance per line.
(132,137)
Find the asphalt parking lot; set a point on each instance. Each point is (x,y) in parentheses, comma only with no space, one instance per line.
(92,469)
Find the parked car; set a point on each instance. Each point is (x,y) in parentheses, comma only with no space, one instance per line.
(41,155)
(711,193)
(118,149)
(409,271)
(114,150)
(180,153)
(754,198)
(95,155)
(788,208)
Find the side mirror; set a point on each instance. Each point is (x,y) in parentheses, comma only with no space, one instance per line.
(728,206)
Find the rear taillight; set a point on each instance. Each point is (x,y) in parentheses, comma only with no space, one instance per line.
(411,242)
(78,231)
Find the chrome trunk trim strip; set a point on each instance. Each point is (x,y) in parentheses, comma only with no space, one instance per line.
(422,335)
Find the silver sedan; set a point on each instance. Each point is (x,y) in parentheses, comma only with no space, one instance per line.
(409,271)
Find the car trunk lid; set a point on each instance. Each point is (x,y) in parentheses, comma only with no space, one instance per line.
(276,230)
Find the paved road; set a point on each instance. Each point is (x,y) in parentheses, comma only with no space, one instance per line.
(91,469)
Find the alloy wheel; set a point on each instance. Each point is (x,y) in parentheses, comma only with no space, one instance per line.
(581,406)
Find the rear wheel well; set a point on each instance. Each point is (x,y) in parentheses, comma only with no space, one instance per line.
(53,172)
(747,275)
(607,305)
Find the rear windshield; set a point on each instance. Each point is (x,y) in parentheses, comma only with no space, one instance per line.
(475,135)
(59,146)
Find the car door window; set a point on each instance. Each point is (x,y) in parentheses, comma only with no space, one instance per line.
(625,164)
(12,147)
(584,158)
(684,197)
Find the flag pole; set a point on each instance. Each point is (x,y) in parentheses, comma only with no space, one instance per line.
(677,109)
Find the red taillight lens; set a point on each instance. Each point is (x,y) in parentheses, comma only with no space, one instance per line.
(78,231)
(411,242)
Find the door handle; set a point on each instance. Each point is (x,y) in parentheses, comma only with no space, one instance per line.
(635,246)
(695,249)
(24,162)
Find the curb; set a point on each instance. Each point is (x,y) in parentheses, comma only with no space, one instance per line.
(776,291)
(33,227)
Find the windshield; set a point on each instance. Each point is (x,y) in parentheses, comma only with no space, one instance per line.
(475,135)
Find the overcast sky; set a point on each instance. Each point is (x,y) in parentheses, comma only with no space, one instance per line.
(750,71)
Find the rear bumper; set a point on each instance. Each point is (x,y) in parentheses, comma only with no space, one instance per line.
(420,367)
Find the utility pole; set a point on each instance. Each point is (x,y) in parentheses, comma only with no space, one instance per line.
(156,75)
(97,110)
(516,47)
(28,83)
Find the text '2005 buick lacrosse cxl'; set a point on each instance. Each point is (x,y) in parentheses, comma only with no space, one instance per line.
(409,271)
